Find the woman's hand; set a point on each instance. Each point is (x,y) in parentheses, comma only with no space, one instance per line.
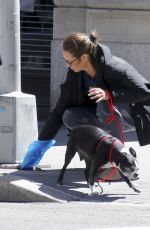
(98,94)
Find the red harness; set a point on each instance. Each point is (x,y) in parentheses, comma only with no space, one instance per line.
(114,169)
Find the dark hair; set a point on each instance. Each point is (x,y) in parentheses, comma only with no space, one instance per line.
(79,43)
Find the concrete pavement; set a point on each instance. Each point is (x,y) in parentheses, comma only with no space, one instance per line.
(124,228)
(40,185)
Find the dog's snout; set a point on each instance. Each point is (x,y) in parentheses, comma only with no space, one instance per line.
(134,176)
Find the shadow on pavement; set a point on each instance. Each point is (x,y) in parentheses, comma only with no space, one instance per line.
(74,184)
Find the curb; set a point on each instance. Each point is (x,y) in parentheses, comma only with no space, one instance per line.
(17,189)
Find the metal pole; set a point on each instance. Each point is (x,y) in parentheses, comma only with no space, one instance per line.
(16,15)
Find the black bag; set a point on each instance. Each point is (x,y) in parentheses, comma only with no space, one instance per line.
(141,116)
(0,61)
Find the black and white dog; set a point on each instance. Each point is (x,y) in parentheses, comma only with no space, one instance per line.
(85,140)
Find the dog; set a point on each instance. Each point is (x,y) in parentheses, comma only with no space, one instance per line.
(85,139)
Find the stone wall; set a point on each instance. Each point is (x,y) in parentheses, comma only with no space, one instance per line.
(122,25)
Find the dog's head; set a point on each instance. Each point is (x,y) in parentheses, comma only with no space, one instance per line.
(128,164)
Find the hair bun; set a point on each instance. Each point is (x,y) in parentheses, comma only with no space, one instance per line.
(93,37)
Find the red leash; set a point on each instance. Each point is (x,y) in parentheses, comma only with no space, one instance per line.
(114,169)
(112,117)
(109,119)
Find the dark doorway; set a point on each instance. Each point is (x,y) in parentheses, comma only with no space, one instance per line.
(36,35)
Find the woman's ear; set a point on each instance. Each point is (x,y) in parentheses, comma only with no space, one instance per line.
(84,57)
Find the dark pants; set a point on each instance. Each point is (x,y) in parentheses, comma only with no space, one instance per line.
(97,114)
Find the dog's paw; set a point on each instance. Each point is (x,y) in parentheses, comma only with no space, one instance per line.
(95,193)
(95,190)
(59,183)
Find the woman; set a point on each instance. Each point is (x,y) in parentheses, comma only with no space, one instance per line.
(96,78)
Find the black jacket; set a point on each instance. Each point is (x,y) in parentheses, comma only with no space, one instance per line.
(125,84)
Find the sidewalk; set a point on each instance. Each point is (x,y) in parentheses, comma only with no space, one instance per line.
(35,186)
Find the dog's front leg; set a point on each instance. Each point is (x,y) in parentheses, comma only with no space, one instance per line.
(92,175)
(128,181)
(92,189)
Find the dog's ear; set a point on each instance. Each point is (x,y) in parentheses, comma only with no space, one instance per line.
(132,151)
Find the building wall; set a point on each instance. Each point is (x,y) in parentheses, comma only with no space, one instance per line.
(122,25)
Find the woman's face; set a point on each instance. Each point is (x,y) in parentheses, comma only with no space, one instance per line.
(75,63)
